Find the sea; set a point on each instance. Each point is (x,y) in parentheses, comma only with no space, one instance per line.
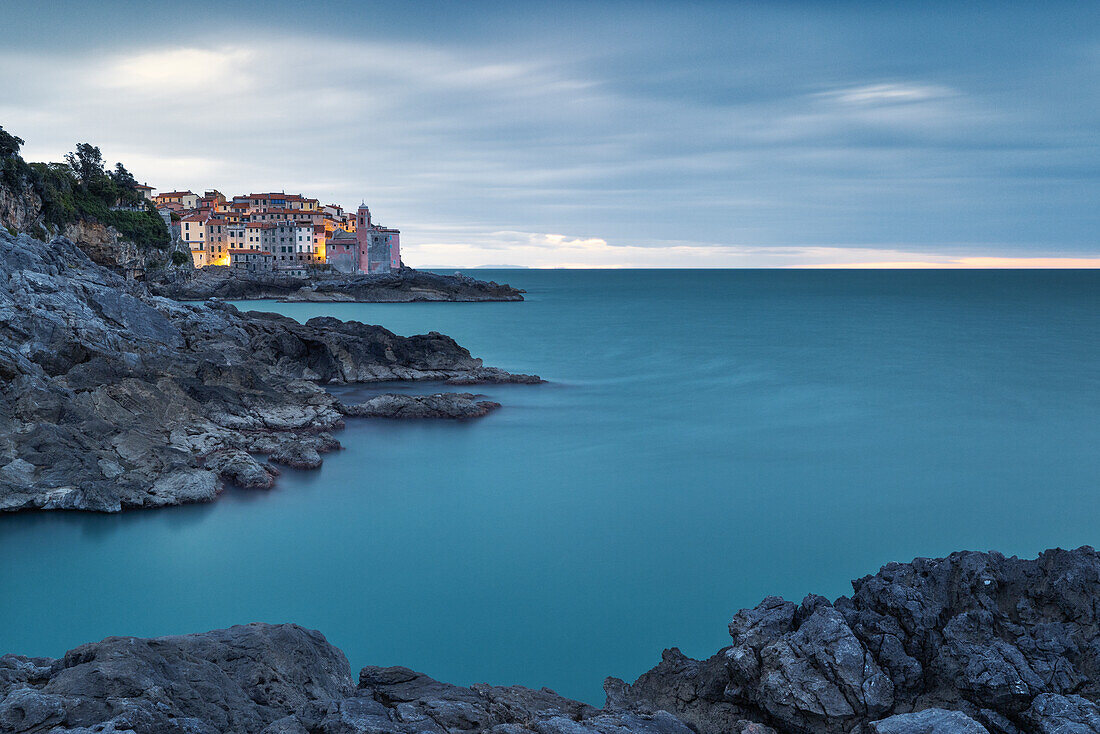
(705,438)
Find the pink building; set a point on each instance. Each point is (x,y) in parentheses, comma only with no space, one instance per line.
(379,247)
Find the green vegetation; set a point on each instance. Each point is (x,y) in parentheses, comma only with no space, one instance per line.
(82,188)
(179,258)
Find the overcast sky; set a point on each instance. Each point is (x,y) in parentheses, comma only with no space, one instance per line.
(600,134)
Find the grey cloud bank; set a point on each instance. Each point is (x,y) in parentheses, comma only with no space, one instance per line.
(605,135)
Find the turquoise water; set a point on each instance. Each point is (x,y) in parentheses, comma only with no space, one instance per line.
(707,438)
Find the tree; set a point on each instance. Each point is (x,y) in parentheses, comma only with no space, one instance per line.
(125,185)
(122,177)
(9,144)
(87,164)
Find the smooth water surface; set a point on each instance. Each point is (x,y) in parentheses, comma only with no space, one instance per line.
(707,438)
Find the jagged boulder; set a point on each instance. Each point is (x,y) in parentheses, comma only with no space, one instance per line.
(1012,644)
(234,680)
(929,721)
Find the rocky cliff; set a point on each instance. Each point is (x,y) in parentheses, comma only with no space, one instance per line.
(22,211)
(404,286)
(975,643)
(106,246)
(113,398)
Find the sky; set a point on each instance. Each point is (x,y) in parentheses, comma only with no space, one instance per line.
(600,134)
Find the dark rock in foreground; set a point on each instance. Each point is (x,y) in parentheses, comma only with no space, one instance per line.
(405,285)
(975,643)
(112,398)
(439,405)
(1011,644)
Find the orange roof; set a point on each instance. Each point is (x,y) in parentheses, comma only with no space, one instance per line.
(178,193)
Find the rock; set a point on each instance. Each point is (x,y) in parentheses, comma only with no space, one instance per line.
(1052,713)
(492,375)
(814,667)
(929,721)
(273,679)
(114,398)
(297,455)
(419,703)
(240,468)
(439,405)
(403,286)
(1009,642)
(235,680)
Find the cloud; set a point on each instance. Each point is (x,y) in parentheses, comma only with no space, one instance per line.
(459,140)
(892,93)
(546,250)
(985,263)
(176,71)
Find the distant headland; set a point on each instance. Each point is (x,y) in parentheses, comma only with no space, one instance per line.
(250,246)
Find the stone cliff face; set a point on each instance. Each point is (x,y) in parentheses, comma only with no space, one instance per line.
(21,212)
(107,247)
(112,398)
(20,209)
(975,643)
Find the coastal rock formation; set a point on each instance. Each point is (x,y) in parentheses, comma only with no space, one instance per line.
(1012,644)
(975,643)
(235,680)
(439,405)
(22,211)
(106,246)
(20,208)
(403,286)
(112,398)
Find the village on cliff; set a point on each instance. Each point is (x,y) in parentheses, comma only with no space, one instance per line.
(277,232)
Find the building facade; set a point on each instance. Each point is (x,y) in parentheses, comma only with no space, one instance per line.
(296,231)
(379,247)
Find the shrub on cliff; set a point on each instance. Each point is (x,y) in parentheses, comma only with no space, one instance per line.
(13,169)
(9,144)
(82,188)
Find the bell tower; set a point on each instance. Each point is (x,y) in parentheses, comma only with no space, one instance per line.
(363,230)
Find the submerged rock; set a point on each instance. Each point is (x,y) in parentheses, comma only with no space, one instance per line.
(439,405)
(112,398)
(880,662)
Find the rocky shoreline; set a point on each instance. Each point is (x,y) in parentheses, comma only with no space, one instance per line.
(975,643)
(404,286)
(115,398)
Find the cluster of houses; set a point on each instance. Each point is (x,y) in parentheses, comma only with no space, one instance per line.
(285,233)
